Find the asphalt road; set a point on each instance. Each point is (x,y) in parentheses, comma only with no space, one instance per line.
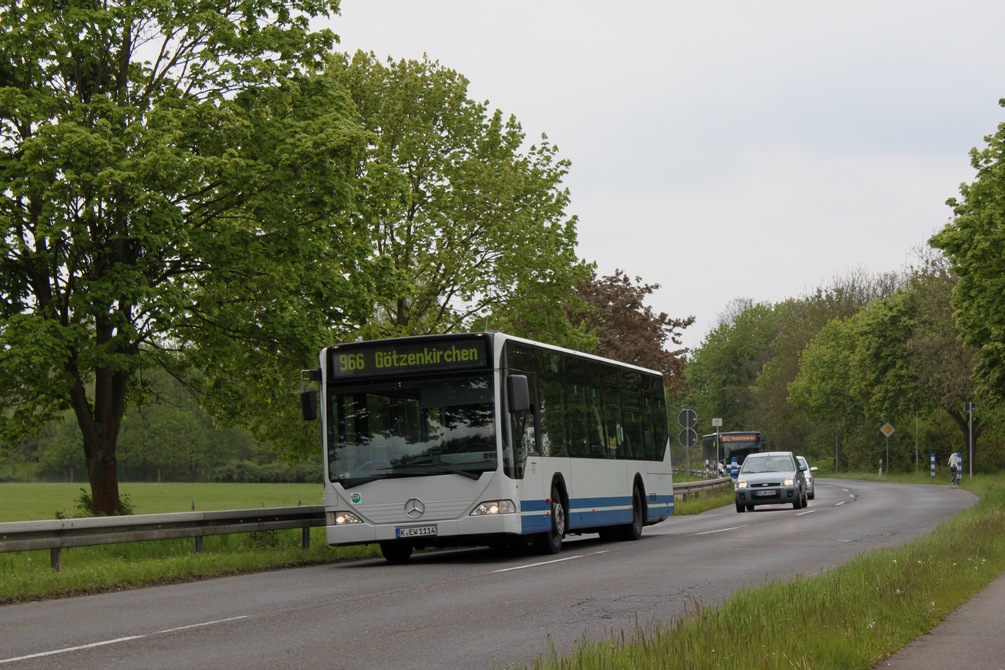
(468,608)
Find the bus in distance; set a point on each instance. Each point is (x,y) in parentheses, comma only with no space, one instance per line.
(721,448)
(486,439)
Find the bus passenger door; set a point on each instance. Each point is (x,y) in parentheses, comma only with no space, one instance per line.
(520,440)
(526,437)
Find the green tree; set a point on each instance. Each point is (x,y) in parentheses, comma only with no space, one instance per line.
(170,437)
(975,244)
(723,371)
(946,370)
(822,387)
(892,361)
(799,321)
(469,226)
(173,182)
(743,369)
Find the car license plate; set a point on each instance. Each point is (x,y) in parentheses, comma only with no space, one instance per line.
(765,494)
(415,531)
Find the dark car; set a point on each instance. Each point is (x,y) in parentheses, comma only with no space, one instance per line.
(770,478)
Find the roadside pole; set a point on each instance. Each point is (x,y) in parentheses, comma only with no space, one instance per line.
(887,430)
(970,407)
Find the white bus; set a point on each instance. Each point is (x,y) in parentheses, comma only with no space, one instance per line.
(487,439)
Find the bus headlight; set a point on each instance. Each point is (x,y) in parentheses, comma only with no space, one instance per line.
(490,507)
(342,518)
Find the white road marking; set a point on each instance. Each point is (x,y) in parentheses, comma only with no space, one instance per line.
(200,625)
(542,563)
(117,640)
(722,530)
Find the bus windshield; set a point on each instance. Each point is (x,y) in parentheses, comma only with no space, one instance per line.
(412,428)
(722,448)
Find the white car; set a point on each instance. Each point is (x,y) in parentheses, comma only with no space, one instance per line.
(810,490)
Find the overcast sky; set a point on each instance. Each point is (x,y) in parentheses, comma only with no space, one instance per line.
(729,150)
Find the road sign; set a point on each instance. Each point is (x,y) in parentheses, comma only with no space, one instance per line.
(687,418)
(716,423)
(688,438)
(887,429)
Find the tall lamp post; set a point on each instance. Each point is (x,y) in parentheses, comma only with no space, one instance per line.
(970,407)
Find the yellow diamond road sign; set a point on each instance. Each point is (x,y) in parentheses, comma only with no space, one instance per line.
(887,430)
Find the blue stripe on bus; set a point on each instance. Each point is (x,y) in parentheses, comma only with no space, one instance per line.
(592,512)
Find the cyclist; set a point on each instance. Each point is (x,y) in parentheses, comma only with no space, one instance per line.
(955,464)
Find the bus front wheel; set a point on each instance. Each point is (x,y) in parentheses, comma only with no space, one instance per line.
(551,542)
(633,531)
(396,552)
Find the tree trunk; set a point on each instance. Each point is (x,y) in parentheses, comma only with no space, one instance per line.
(99,425)
(102,470)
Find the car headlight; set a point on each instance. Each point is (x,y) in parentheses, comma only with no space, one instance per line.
(789,481)
(342,518)
(492,507)
(741,483)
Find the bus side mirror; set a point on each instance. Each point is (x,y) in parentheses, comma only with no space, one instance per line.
(518,393)
(309,405)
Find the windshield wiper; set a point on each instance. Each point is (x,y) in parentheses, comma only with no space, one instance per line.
(436,466)
(353,481)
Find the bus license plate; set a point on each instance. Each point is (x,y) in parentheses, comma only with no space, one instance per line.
(766,494)
(415,531)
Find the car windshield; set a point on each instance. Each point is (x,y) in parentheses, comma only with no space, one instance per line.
(415,428)
(753,466)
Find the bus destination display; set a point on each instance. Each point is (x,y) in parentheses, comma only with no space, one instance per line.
(389,358)
(739,437)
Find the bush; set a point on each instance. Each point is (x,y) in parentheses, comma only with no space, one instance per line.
(246,472)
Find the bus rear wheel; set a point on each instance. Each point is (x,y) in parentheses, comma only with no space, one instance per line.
(396,552)
(551,542)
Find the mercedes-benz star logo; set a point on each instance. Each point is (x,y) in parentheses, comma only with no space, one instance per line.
(414,508)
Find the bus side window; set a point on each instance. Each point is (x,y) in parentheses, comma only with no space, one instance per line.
(598,436)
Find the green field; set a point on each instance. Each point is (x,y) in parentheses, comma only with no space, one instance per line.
(34,502)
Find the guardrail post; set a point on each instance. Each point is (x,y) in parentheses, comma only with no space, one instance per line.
(305,537)
(55,556)
(198,544)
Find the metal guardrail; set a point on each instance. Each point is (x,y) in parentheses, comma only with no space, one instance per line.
(57,534)
(684,490)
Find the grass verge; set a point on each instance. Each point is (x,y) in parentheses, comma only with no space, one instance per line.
(27,576)
(848,618)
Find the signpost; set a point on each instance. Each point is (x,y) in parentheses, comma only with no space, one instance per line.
(717,424)
(887,430)
(688,419)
